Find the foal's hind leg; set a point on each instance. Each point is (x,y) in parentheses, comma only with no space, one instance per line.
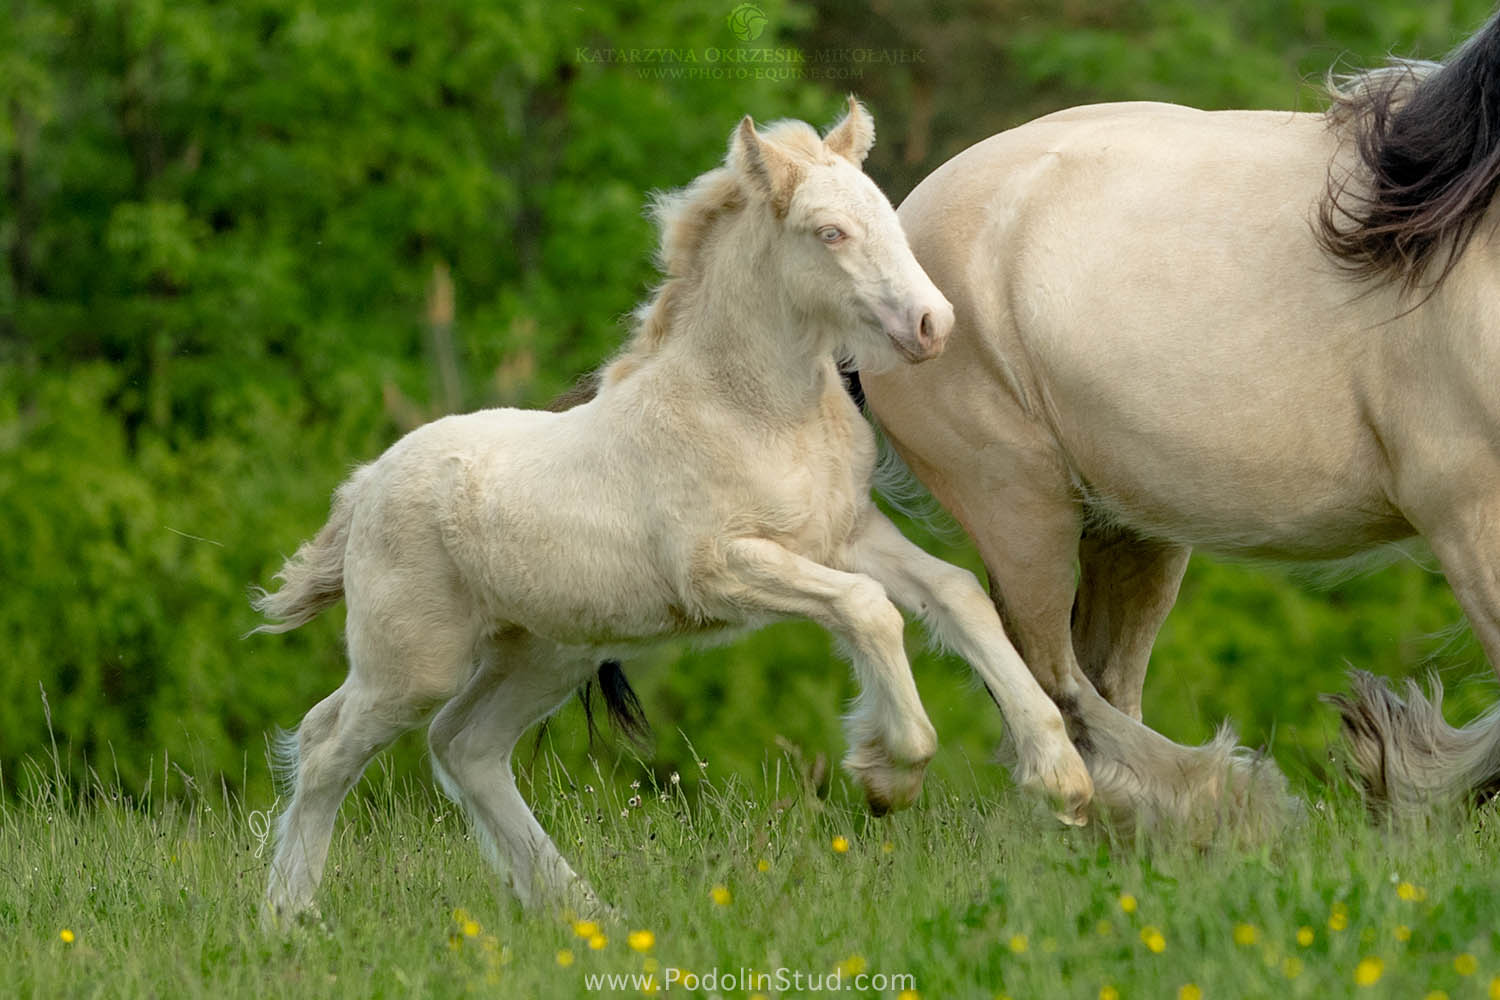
(521,681)
(394,682)
(1126,586)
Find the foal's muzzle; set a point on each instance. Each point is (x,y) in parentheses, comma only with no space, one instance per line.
(923,331)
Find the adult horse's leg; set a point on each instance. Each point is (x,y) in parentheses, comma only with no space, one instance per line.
(1142,779)
(1025,520)
(961,617)
(890,737)
(396,678)
(521,680)
(1126,586)
(1408,757)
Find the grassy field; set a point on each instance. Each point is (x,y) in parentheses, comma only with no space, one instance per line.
(974,893)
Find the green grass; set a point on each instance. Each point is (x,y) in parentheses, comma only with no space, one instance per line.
(974,893)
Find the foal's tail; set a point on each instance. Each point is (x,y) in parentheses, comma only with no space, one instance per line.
(1408,758)
(313,578)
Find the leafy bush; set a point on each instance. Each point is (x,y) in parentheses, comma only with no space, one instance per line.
(247,245)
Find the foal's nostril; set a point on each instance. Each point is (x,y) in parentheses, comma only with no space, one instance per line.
(924,330)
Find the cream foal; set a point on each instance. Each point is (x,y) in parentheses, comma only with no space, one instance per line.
(719,480)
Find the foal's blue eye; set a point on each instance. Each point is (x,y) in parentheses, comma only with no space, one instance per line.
(830,234)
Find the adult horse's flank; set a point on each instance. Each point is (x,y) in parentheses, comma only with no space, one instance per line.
(1265,334)
(719,479)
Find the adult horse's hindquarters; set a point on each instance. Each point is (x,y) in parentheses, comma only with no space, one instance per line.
(1265,334)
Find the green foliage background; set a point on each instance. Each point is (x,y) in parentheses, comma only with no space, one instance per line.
(225,229)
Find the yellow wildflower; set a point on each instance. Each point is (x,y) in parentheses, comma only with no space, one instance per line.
(908,995)
(1127,903)
(1152,938)
(641,940)
(1245,935)
(67,936)
(471,928)
(1495,988)
(762,865)
(851,966)
(564,958)
(1190,991)
(1305,936)
(1019,943)
(1339,918)
(585,928)
(1465,964)
(598,941)
(840,844)
(1411,893)
(1107,992)
(1291,967)
(720,895)
(1368,971)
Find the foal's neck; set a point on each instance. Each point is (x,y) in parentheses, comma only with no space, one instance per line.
(738,327)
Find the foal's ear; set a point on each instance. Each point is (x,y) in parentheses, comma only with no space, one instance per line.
(853,136)
(771,172)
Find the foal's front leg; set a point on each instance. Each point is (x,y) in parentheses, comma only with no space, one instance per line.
(890,737)
(962,617)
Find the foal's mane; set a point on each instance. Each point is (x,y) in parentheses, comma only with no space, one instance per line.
(687,219)
(1426,137)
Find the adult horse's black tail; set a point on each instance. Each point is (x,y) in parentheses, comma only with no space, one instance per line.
(1427,138)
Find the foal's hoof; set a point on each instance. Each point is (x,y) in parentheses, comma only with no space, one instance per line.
(574,900)
(888,784)
(277,919)
(1056,772)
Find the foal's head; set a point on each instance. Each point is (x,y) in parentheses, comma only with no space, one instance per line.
(842,258)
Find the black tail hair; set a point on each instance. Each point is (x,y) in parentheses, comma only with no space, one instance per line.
(1428,143)
(620,703)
